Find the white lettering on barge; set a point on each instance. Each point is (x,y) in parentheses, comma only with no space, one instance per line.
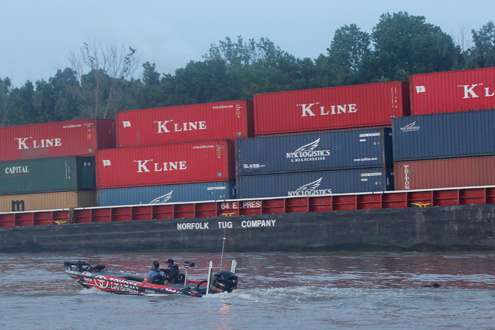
(258,223)
(193,226)
(245,224)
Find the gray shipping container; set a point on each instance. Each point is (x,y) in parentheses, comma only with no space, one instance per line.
(444,135)
(47,175)
(166,194)
(326,150)
(314,183)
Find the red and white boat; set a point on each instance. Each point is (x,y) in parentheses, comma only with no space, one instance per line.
(90,276)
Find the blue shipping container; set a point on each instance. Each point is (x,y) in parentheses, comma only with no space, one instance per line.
(444,135)
(314,183)
(361,148)
(166,194)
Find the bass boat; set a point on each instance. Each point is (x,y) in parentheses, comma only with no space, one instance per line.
(89,276)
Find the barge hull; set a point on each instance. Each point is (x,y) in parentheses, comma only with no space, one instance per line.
(466,227)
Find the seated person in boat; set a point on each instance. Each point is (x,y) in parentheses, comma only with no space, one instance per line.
(155,275)
(172,273)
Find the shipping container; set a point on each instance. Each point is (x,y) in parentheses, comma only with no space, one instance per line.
(326,150)
(356,106)
(47,201)
(56,139)
(228,120)
(444,135)
(314,183)
(214,191)
(163,165)
(443,173)
(47,175)
(452,91)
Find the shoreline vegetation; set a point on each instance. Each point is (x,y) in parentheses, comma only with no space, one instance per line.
(100,81)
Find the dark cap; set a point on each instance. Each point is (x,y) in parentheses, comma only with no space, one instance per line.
(170,261)
(156,264)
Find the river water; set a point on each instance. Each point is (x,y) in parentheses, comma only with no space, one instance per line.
(277,291)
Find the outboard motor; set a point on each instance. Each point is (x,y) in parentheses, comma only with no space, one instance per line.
(224,281)
(82,266)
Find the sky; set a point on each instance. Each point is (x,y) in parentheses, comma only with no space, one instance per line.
(37,36)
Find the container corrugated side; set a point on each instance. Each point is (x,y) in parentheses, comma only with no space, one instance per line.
(447,135)
(326,150)
(47,201)
(452,91)
(214,191)
(56,139)
(227,120)
(366,105)
(162,165)
(443,173)
(314,183)
(47,175)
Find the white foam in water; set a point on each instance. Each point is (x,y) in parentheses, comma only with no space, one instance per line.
(297,293)
(91,291)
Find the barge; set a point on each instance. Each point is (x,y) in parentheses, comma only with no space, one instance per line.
(443,219)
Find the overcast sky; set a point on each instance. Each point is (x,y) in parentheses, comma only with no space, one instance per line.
(37,35)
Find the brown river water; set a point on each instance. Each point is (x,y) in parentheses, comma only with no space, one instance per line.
(277,291)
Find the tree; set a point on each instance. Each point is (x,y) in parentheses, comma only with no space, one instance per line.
(108,67)
(5,90)
(348,53)
(254,66)
(151,77)
(68,101)
(20,106)
(405,44)
(482,54)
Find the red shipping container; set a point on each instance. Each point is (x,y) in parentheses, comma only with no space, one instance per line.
(453,91)
(365,105)
(227,120)
(443,173)
(56,139)
(160,165)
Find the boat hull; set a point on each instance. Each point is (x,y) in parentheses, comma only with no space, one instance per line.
(467,227)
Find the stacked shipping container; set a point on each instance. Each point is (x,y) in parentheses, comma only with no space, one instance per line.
(314,164)
(47,175)
(56,139)
(166,166)
(327,161)
(452,91)
(449,141)
(444,150)
(173,154)
(228,120)
(365,105)
(40,167)
(180,153)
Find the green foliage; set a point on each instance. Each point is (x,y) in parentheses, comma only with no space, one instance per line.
(404,44)
(348,54)
(482,54)
(5,90)
(99,82)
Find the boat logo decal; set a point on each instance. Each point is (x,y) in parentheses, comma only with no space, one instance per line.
(102,283)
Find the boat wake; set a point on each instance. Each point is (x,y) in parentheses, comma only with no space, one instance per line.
(294,294)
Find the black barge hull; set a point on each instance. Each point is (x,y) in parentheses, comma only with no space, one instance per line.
(467,227)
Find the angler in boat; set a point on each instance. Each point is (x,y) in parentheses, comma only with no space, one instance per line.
(155,275)
(170,275)
(157,281)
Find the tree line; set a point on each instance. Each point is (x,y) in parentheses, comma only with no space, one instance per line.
(99,81)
